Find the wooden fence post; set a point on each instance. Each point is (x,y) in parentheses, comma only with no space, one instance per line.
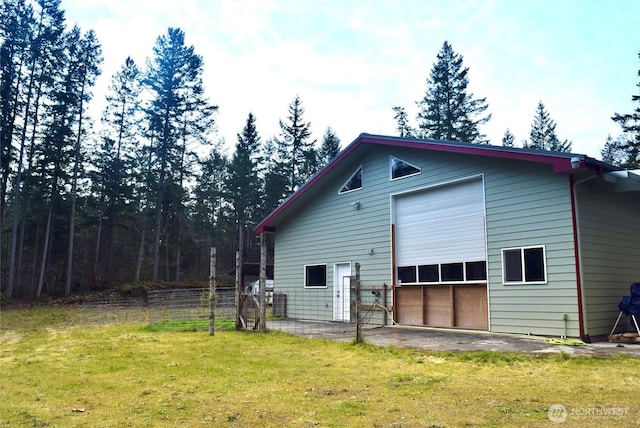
(263,283)
(384,303)
(239,316)
(212,290)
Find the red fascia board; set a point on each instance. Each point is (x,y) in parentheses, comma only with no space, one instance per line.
(559,163)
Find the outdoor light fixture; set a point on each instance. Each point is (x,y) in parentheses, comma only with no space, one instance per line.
(370,251)
(575,163)
(356,205)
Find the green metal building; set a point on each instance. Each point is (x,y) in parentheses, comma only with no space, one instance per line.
(464,236)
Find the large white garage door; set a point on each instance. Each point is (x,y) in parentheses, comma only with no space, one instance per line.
(441,229)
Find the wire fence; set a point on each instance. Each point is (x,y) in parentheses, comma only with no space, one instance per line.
(188,309)
(114,310)
(298,312)
(302,313)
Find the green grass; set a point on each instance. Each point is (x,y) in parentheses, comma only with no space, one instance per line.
(57,372)
(223,324)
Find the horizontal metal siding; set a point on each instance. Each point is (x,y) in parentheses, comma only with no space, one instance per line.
(331,230)
(530,205)
(518,195)
(610,247)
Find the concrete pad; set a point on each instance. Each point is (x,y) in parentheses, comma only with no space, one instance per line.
(441,339)
(465,340)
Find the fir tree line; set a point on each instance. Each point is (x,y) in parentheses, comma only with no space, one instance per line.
(448,111)
(85,205)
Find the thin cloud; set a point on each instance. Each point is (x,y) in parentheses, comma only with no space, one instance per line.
(350,62)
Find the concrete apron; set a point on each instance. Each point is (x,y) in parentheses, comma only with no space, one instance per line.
(441,339)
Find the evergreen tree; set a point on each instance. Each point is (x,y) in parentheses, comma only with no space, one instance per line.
(74,68)
(614,151)
(330,147)
(85,56)
(242,184)
(543,133)
(178,114)
(16,25)
(448,111)
(402,123)
(508,140)
(115,177)
(208,211)
(296,147)
(630,123)
(275,176)
(31,63)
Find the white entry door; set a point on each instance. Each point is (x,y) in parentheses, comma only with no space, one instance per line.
(342,292)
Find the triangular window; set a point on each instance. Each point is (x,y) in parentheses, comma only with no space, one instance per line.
(400,168)
(353,183)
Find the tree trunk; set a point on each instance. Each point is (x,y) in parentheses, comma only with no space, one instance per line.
(45,250)
(145,214)
(18,185)
(74,191)
(96,258)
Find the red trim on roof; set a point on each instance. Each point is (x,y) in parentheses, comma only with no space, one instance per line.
(560,161)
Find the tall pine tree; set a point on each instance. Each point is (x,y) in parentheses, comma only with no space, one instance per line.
(178,114)
(32,57)
(115,177)
(447,110)
(296,147)
(242,185)
(275,176)
(630,123)
(330,147)
(543,133)
(85,55)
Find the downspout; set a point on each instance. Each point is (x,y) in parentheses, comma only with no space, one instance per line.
(582,316)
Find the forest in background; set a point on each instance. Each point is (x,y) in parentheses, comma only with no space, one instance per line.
(142,193)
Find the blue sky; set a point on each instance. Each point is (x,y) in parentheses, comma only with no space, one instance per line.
(352,61)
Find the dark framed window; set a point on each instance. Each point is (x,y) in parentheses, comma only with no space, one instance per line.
(452,272)
(400,168)
(407,274)
(476,271)
(428,273)
(463,272)
(524,265)
(534,269)
(315,276)
(512,265)
(353,183)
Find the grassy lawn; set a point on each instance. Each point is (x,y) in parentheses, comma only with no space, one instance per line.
(58,373)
